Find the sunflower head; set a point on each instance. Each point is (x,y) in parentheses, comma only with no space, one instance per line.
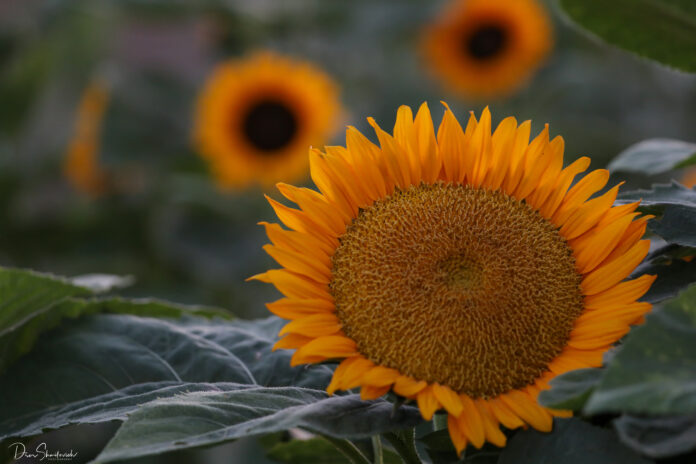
(256,117)
(485,48)
(462,270)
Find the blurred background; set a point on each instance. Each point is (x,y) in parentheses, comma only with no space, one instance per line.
(163,219)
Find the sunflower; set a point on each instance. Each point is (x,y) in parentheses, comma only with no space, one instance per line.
(257,116)
(461,270)
(81,164)
(486,48)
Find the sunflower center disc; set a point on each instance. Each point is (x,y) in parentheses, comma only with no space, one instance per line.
(466,287)
(269,125)
(485,42)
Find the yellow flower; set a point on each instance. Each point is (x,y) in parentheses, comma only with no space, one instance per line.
(461,270)
(81,164)
(486,48)
(257,116)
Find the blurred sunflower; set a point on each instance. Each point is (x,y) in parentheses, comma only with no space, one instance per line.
(81,164)
(257,116)
(689,178)
(461,270)
(487,48)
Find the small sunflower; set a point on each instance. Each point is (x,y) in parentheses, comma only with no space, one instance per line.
(257,116)
(460,270)
(486,48)
(81,164)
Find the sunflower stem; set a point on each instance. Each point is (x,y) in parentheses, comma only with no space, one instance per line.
(348,449)
(439,422)
(404,442)
(377,448)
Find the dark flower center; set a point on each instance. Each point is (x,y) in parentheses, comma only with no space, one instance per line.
(269,125)
(485,42)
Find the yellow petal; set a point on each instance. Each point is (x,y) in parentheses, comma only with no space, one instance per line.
(448,399)
(290,308)
(314,325)
(579,193)
(300,264)
(491,427)
(427,403)
(611,273)
(337,379)
(528,410)
(291,341)
(328,347)
(380,376)
(368,392)
(504,414)
(355,372)
(592,247)
(623,293)
(470,422)
(294,285)
(456,434)
(427,145)
(408,387)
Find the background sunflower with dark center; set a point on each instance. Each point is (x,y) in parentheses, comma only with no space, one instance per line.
(488,48)
(257,116)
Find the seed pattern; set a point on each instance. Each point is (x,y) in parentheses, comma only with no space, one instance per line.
(465,287)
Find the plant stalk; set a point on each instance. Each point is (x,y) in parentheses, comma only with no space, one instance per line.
(404,442)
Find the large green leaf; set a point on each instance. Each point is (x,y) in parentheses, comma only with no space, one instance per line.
(655,156)
(655,371)
(112,367)
(32,303)
(572,441)
(205,418)
(658,437)
(18,342)
(662,30)
(676,206)
(104,366)
(571,390)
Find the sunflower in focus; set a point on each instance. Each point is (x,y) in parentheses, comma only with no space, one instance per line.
(81,164)
(460,270)
(257,116)
(488,48)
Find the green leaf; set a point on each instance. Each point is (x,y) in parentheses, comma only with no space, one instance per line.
(661,30)
(675,204)
(655,371)
(673,275)
(655,156)
(439,446)
(313,450)
(205,418)
(117,367)
(102,367)
(18,342)
(571,441)
(571,390)
(316,450)
(658,437)
(25,294)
